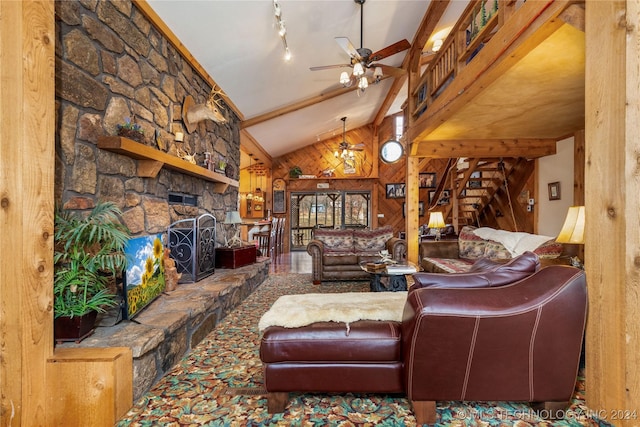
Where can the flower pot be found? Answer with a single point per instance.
(74, 328)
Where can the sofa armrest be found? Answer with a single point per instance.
(315, 248)
(439, 249)
(397, 248)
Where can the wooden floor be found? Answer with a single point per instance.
(291, 262)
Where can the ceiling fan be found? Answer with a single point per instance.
(345, 147)
(363, 59)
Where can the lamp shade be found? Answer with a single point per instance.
(436, 220)
(232, 217)
(573, 228)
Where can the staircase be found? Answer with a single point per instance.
(487, 192)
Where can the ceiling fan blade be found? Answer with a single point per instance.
(388, 70)
(390, 50)
(328, 67)
(346, 45)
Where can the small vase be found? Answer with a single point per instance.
(74, 328)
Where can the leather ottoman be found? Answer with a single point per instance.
(364, 356)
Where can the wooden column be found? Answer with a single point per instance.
(612, 201)
(27, 125)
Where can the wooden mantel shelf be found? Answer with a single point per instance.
(150, 161)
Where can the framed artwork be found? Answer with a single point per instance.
(396, 191)
(444, 199)
(474, 180)
(427, 180)
(420, 209)
(554, 191)
(279, 191)
(144, 278)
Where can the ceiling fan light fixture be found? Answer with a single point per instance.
(363, 83)
(377, 74)
(345, 80)
(358, 69)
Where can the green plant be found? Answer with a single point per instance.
(88, 250)
(295, 172)
(130, 125)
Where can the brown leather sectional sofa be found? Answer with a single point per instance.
(515, 342)
(336, 254)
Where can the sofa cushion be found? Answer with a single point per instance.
(496, 250)
(335, 240)
(548, 250)
(371, 240)
(339, 258)
(470, 246)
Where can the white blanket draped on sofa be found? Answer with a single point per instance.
(515, 242)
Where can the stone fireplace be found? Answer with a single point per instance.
(113, 65)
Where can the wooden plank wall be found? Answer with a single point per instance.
(612, 203)
(27, 125)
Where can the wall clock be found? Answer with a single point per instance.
(391, 151)
(279, 196)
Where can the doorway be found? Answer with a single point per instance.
(331, 209)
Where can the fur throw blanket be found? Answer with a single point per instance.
(294, 311)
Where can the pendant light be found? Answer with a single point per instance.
(250, 194)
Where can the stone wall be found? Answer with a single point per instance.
(112, 64)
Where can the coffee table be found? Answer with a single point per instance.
(392, 278)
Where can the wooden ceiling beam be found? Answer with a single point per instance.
(528, 148)
(299, 105)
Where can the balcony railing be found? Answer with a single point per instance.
(478, 23)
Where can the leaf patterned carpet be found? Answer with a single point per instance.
(220, 384)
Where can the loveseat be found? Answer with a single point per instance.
(336, 254)
(456, 256)
(516, 342)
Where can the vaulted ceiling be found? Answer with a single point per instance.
(285, 105)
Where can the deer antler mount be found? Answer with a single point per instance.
(193, 113)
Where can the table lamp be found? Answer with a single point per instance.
(436, 221)
(233, 218)
(572, 231)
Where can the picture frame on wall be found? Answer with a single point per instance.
(554, 190)
(396, 190)
(444, 199)
(420, 209)
(427, 179)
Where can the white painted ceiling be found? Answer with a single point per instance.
(238, 44)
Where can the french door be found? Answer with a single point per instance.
(331, 209)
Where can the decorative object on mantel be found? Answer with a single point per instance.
(295, 172)
(220, 164)
(229, 171)
(193, 113)
(185, 155)
(130, 129)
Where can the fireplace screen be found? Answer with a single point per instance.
(192, 243)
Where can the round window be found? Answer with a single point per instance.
(391, 151)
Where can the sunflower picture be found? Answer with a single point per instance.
(145, 273)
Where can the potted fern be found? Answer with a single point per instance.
(88, 252)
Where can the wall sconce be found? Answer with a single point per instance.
(437, 45)
(179, 136)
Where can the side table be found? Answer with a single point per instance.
(392, 278)
(235, 257)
